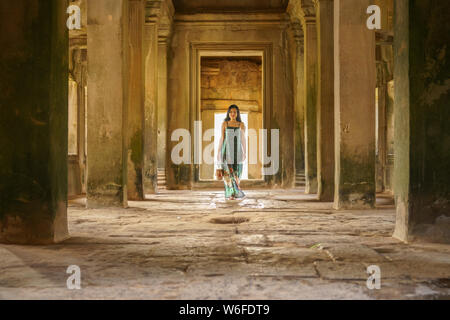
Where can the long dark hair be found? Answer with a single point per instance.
(238, 118)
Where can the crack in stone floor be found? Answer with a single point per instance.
(278, 244)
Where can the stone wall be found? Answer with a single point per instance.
(238, 79)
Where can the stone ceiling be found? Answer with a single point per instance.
(214, 6)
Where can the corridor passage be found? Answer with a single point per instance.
(277, 244)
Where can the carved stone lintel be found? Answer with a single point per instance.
(308, 8)
(384, 38)
(153, 10)
(298, 34)
(165, 27)
(160, 12)
(303, 11)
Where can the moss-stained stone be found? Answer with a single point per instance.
(357, 183)
(150, 52)
(355, 81)
(179, 177)
(136, 148)
(105, 194)
(107, 104)
(422, 133)
(134, 87)
(325, 101)
(137, 160)
(299, 144)
(33, 121)
(311, 107)
(299, 105)
(150, 176)
(277, 178)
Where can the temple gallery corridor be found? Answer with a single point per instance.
(194, 245)
(112, 178)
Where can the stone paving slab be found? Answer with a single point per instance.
(341, 270)
(170, 247)
(352, 252)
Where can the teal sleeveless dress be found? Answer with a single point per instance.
(232, 162)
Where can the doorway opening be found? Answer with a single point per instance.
(228, 80)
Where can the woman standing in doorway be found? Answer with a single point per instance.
(232, 153)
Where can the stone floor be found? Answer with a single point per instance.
(194, 245)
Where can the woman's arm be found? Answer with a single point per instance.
(243, 141)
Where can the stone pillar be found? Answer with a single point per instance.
(179, 176)
(162, 102)
(385, 68)
(80, 71)
(299, 102)
(283, 120)
(389, 182)
(381, 137)
(135, 129)
(107, 110)
(355, 80)
(33, 121)
(310, 31)
(325, 100)
(422, 132)
(151, 105)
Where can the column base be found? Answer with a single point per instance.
(113, 197)
(354, 201)
(16, 230)
(311, 186)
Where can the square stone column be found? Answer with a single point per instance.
(422, 113)
(325, 100)
(33, 121)
(162, 103)
(135, 129)
(355, 81)
(382, 137)
(151, 107)
(299, 101)
(107, 103)
(310, 54)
